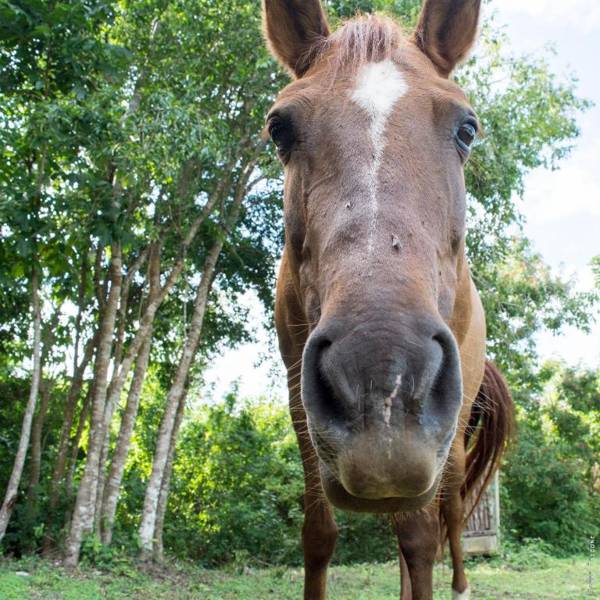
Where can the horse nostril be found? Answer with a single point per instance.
(322, 344)
(319, 349)
(447, 382)
(325, 391)
(325, 373)
(315, 383)
(320, 368)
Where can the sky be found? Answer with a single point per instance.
(561, 208)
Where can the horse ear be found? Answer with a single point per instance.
(446, 31)
(293, 29)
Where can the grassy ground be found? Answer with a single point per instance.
(551, 578)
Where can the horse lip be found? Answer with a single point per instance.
(327, 447)
(339, 496)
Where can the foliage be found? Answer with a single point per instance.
(97, 554)
(238, 483)
(237, 491)
(113, 126)
(547, 498)
(114, 129)
(522, 296)
(550, 481)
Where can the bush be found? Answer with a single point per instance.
(545, 494)
(237, 485)
(237, 491)
(530, 553)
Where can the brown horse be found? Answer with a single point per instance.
(380, 325)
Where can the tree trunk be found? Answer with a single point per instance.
(172, 402)
(35, 460)
(105, 394)
(83, 513)
(163, 500)
(120, 373)
(74, 443)
(156, 297)
(115, 476)
(108, 490)
(63, 483)
(58, 472)
(177, 390)
(101, 477)
(12, 489)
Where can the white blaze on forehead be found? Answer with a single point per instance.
(378, 87)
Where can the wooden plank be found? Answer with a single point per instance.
(481, 544)
(480, 535)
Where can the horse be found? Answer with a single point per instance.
(380, 326)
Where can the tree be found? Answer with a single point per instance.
(37, 71)
(15, 477)
(551, 478)
(132, 162)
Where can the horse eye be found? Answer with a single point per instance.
(282, 134)
(465, 136)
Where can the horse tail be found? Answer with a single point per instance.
(491, 426)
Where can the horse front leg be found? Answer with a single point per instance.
(405, 585)
(418, 539)
(319, 535)
(319, 532)
(453, 511)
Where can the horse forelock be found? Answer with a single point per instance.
(362, 39)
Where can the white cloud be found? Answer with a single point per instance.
(581, 14)
(572, 346)
(574, 189)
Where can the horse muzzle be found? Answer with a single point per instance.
(382, 401)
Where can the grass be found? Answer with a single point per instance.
(549, 578)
